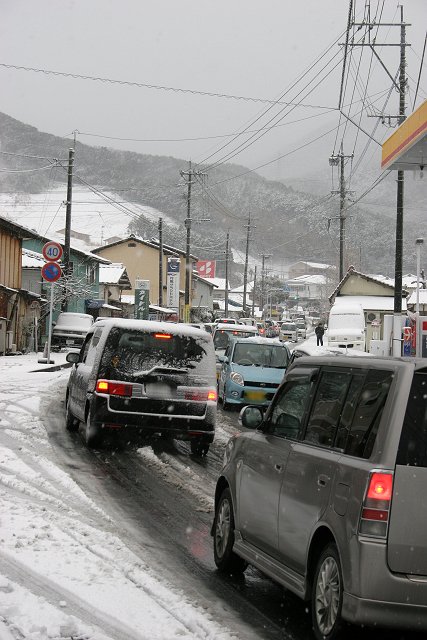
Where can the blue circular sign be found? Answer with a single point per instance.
(51, 271)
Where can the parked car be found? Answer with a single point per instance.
(222, 335)
(301, 328)
(252, 369)
(70, 330)
(148, 376)
(310, 349)
(228, 321)
(288, 332)
(326, 491)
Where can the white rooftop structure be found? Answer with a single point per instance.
(371, 303)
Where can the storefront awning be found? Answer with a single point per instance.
(406, 148)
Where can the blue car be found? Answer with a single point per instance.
(251, 371)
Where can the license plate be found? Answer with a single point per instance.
(69, 342)
(255, 395)
(158, 390)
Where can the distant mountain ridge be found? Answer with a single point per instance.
(290, 225)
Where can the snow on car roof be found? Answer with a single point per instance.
(179, 328)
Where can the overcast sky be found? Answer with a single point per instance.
(252, 48)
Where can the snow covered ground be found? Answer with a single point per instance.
(64, 570)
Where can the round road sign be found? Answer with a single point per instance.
(52, 251)
(51, 271)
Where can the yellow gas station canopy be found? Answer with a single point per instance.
(406, 148)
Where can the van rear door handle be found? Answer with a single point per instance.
(323, 480)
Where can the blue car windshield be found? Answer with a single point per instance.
(261, 355)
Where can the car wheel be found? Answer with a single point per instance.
(225, 558)
(92, 433)
(326, 597)
(71, 423)
(199, 448)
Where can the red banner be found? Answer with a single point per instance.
(206, 268)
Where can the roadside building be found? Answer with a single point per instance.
(18, 305)
(141, 259)
(376, 296)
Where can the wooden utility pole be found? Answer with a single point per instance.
(160, 262)
(67, 238)
(190, 174)
(245, 274)
(264, 257)
(253, 295)
(226, 273)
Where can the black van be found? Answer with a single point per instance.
(150, 376)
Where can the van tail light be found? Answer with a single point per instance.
(163, 336)
(375, 512)
(114, 388)
(201, 396)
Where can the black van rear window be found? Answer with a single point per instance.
(131, 354)
(413, 440)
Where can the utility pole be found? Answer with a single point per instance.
(253, 295)
(245, 274)
(397, 322)
(401, 87)
(339, 159)
(190, 174)
(226, 273)
(264, 257)
(160, 262)
(67, 238)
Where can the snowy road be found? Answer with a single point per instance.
(116, 544)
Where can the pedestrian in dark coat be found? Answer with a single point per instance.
(319, 331)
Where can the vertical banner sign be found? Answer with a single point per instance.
(172, 281)
(206, 268)
(142, 299)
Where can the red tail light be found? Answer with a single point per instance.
(114, 388)
(376, 506)
(163, 336)
(200, 396)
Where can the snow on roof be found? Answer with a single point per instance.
(318, 265)
(218, 282)
(32, 259)
(315, 278)
(422, 297)
(249, 287)
(127, 299)
(370, 303)
(111, 273)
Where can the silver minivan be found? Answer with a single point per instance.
(326, 492)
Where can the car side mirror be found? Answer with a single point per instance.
(251, 417)
(73, 357)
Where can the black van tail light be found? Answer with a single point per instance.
(163, 336)
(114, 388)
(201, 396)
(376, 505)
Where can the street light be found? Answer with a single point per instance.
(418, 243)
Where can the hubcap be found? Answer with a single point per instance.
(222, 531)
(328, 588)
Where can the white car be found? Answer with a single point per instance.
(288, 332)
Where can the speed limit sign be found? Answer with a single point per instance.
(52, 251)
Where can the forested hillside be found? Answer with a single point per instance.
(290, 225)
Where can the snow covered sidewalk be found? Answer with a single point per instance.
(64, 570)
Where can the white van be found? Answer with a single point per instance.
(346, 326)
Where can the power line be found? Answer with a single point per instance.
(144, 85)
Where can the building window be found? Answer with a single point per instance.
(90, 273)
